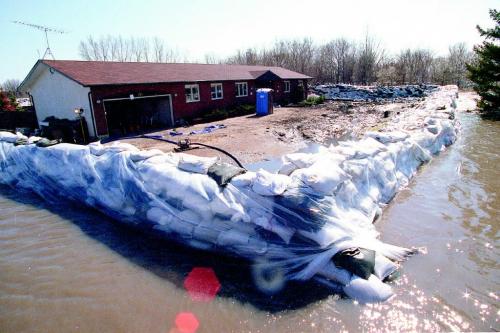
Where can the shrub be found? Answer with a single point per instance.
(216, 114)
(219, 114)
(7, 103)
(312, 100)
(484, 72)
(245, 109)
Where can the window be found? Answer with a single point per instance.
(192, 93)
(287, 86)
(241, 89)
(216, 90)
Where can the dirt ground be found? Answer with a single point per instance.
(253, 139)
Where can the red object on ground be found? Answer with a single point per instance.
(202, 284)
(186, 322)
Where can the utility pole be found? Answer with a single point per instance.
(46, 30)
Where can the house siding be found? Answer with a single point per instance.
(181, 108)
(56, 95)
(282, 97)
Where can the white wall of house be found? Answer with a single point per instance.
(56, 95)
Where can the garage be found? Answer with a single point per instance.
(131, 115)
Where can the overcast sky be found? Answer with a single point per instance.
(196, 28)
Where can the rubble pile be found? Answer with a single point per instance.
(371, 93)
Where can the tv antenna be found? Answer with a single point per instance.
(46, 30)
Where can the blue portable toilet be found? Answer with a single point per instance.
(264, 101)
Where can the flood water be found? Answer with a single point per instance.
(64, 268)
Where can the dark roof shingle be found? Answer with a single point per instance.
(91, 73)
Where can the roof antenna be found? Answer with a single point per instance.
(48, 51)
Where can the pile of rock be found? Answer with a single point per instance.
(371, 93)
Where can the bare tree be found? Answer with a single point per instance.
(211, 58)
(387, 73)
(116, 48)
(441, 71)
(158, 50)
(414, 66)
(325, 66)
(458, 57)
(10, 86)
(369, 57)
(344, 53)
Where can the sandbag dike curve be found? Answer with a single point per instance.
(291, 223)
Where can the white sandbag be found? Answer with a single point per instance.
(368, 291)
(347, 193)
(156, 177)
(430, 121)
(292, 162)
(144, 154)
(10, 137)
(269, 184)
(323, 176)
(196, 164)
(368, 147)
(223, 207)
(189, 216)
(336, 274)
(171, 159)
(383, 266)
(206, 233)
(232, 238)
(270, 224)
(158, 215)
(34, 139)
(387, 137)
(287, 168)
(117, 147)
(244, 180)
(199, 205)
(434, 129)
(301, 160)
(345, 149)
(182, 227)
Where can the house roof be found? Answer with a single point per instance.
(92, 73)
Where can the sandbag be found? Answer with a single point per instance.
(268, 184)
(223, 173)
(323, 176)
(358, 261)
(196, 164)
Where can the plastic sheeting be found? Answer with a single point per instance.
(290, 224)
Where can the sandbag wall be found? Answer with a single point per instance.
(295, 221)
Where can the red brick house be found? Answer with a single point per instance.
(141, 95)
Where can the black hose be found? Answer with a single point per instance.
(160, 138)
(221, 150)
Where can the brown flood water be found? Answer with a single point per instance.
(65, 268)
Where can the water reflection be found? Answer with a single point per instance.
(169, 260)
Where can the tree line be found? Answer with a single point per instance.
(337, 61)
(343, 61)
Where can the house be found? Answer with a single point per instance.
(124, 97)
